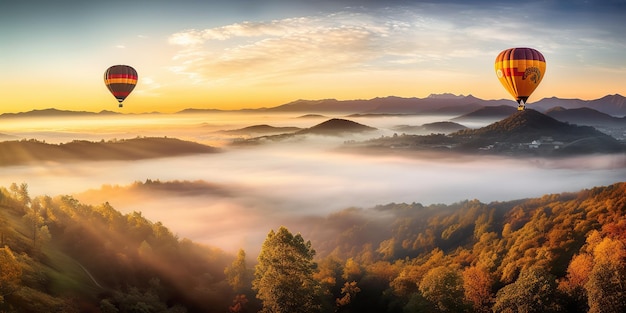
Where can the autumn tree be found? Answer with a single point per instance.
(352, 270)
(606, 286)
(574, 283)
(532, 292)
(477, 284)
(328, 275)
(443, 286)
(348, 292)
(284, 275)
(35, 221)
(10, 273)
(20, 193)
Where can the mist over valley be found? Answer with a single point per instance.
(230, 199)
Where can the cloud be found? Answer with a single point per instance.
(447, 38)
(342, 41)
(149, 87)
(274, 48)
(314, 44)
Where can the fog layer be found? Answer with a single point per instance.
(265, 186)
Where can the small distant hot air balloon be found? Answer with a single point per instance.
(121, 80)
(520, 70)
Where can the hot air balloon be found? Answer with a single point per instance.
(121, 80)
(520, 70)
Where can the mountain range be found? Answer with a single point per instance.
(444, 104)
(447, 104)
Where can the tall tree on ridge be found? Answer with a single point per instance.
(284, 275)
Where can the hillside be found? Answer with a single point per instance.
(428, 128)
(336, 127)
(488, 112)
(59, 255)
(527, 125)
(586, 116)
(525, 132)
(260, 130)
(149, 189)
(493, 256)
(530, 126)
(29, 151)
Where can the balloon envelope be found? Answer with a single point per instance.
(520, 70)
(121, 80)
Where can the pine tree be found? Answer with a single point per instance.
(237, 273)
(284, 275)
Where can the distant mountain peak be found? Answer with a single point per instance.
(337, 126)
(261, 129)
(527, 125)
(522, 127)
(528, 119)
(445, 96)
(556, 109)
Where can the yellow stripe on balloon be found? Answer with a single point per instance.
(120, 81)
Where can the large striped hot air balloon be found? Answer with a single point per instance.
(520, 70)
(121, 80)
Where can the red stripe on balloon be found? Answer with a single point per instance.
(512, 72)
(122, 76)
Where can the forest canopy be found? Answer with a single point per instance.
(558, 253)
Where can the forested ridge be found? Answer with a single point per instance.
(558, 253)
(17, 152)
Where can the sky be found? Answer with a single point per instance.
(250, 54)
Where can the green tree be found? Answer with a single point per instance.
(284, 275)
